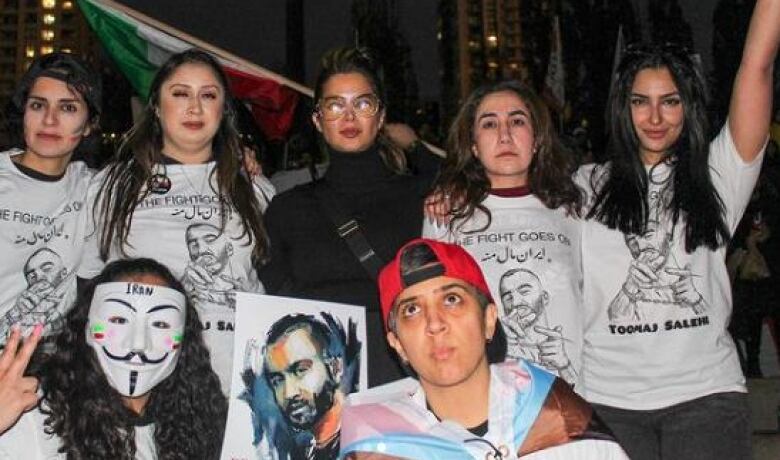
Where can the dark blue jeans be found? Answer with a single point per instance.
(713, 427)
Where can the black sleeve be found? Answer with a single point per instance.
(276, 273)
(422, 161)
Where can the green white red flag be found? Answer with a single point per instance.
(139, 49)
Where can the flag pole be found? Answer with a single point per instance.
(616, 58)
(241, 63)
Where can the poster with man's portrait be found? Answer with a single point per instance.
(294, 363)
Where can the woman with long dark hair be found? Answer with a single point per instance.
(658, 360)
(53, 114)
(372, 188)
(130, 377)
(516, 214)
(175, 192)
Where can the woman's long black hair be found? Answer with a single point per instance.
(188, 408)
(128, 175)
(621, 201)
(463, 178)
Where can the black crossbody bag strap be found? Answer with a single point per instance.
(348, 230)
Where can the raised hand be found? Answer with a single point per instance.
(17, 392)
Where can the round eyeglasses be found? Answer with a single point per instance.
(333, 108)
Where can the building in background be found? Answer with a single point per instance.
(376, 25)
(488, 40)
(30, 28)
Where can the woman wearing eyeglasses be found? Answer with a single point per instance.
(370, 190)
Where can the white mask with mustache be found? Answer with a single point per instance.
(136, 330)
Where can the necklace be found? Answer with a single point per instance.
(206, 174)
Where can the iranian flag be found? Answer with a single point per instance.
(140, 45)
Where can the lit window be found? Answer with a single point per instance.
(47, 50)
(67, 5)
(49, 19)
(48, 3)
(29, 51)
(492, 38)
(47, 35)
(66, 50)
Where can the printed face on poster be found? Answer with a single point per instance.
(294, 362)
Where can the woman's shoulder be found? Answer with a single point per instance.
(80, 171)
(291, 201)
(300, 192)
(100, 174)
(588, 170)
(5, 158)
(590, 177)
(410, 184)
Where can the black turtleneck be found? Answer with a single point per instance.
(363, 171)
(309, 259)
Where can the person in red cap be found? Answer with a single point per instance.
(466, 402)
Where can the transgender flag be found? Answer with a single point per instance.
(139, 49)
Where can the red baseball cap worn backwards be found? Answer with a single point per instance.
(451, 260)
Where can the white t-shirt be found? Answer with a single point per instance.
(28, 440)
(531, 255)
(180, 228)
(654, 343)
(40, 239)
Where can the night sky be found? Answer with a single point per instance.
(255, 29)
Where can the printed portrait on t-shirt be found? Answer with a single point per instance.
(530, 257)
(524, 303)
(655, 281)
(208, 277)
(292, 372)
(44, 272)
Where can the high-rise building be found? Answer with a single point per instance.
(30, 28)
(482, 41)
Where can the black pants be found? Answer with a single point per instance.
(753, 301)
(713, 427)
